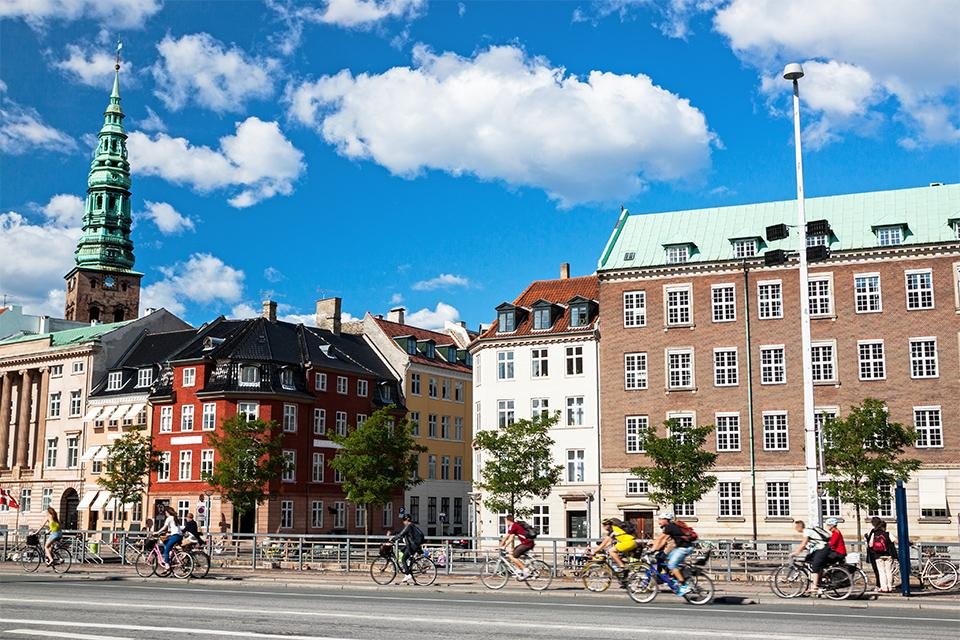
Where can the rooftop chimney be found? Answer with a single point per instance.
(565, 271)
(396, 315)
(328, 314)
(270, 310)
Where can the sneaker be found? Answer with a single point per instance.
(523, 575)
(407, 579)
(683, 590)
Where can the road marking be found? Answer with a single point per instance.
(64, 634)
(178, 631)
(526, 603)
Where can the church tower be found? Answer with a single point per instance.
(103, 287)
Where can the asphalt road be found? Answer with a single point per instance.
(39, 606)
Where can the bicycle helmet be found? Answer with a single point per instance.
(666, 516)
(831, 522)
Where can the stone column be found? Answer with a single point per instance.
(6, 397)
(40, 432)
(23, 419)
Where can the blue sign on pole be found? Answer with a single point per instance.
(903, 538)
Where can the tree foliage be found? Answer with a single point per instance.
(518, 464)
(130, 459)
(864, 455)
(249, 455)
(680, 463)
(378, 459)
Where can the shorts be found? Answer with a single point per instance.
(626, 546)
(522, 549)
(677, 556)
(53, 537)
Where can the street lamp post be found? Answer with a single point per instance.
(794, 72)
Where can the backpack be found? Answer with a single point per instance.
(528, 532)
(879, 543)
(416, 537)
(823, 533)
(689, 535)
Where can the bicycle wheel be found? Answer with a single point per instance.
(145, 564)
(836, 582)
(383, 570)
(159, 569)
(541, 575)
(642, 586)
(597, 577)
(494, 574)
(859, 582)
(701, 589)
(895, 584)
(131, 551)
(789, 580)
(62, 560)
(424, 571)
(182, 565)
(201, 564)
(30, 558)
(941, 574)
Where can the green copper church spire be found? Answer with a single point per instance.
(105, 242)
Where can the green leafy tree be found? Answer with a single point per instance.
(680, 463)
(865, 455)
(378, 459)
(249, 456)
(130, 459)
(518, 464)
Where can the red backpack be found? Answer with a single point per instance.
(688, 533)
(879, 543)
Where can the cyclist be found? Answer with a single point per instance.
(411, 538)
(190, 526)
(171, 526)
(53, 526)
(518, 531)
(618, 541)
(683, 547)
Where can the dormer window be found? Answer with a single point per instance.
(890, 236)
(956, 229)
(678, 254)
(579, 314)
(451, 354)
(386, 393)
(629, 255)
(412, 346)
(542, 318)
(144, 377)
(507, 321)
(429, 349)
(249, 375)
(745, 248)
(817, 240)
(286, 378)
(114, 380)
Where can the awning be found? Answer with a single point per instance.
(933, 493)
(119, 412)
(134, 410)
(113, 504)
(86, 500)
(92, 414)
(102, 454)
(101, 500)
(88, 454)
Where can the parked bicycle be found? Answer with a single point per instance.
(939, 573)
(599, 571)
(643, 582)
(150, 561)
(497, 571)
(387, 565)
(792, 579)
(32, 554)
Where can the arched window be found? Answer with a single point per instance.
(118, 314)
(94, 314)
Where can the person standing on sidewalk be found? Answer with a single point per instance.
(871, 558)
(883, 550)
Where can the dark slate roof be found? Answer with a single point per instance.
(148, 351)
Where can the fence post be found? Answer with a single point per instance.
(348, 554)
(253, 554)
(729, 561)
(555, 559)
(300, 555)
(449, 553)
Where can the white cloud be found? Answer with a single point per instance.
(285, 313)
(93, 67)
(168, 220)
(672, 16)
(203, 278)
(152, 122)
(258, 160)
(908, 50)
(443, 280)
(363, 13)
(272, 274)
(427, 319)
(119, 14)
(199, 68)
(396, 298)
(22, 130)
(36, 256)
(503, 115)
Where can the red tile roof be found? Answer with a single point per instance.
(558, 292)
(396, 330)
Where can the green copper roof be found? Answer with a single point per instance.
(69, 337)
(926, 212)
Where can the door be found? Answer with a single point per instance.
(643, 521)
(243, 523)
(577, 524)
(68, 508)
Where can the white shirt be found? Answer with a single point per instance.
(171, 526)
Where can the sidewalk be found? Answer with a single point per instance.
(744, 593)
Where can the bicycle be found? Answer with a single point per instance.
(939, 573)
(643, 583)
(384, 569)
(33, 552)
(792, 579)
(201, 559)
(598, 572)
(496, 572)
(150, 562)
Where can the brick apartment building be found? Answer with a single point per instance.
(699, 326)
(311, 381)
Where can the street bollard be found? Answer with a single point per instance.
(300, 555)
(348, 555)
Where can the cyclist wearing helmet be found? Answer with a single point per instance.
(834, 552)
(616, 541)
(683, 548)
(411, 539)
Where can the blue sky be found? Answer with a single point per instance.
(441, 155)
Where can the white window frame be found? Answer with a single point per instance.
(729, 499)
(506, 413)
(244, 409)
(166, 419)
(163, 471)
(73, 451)
(185, 465)
(319, 421)
(576, 466)
(725, 374)
(540, 362)
(320, 381)
(76, 404)
(286, 514)
(636, 487)
(818, 364)
(254, 372)
(339, 515)
(55, 402)
(316, 514)
(681, 312)
(724, 308)
(815, 297)
(872, 359)
(576, 411)
(634, 429)
(208, 420)
(289, 418)
(685, 351)
(187, 414)
(686, 419)
(342, 385)
(506, 369)
(286, 379)
(114, 380)
(773, 371)
(780, 498)
(773, 431)
(677, 254)
(415, 384)
(919, 291)
(926, 429)
(540, 407)
(635, 370)
(340, 423)
(290, 466)
(634, 309)
(869, 299)
(77, 367)
(745, 248)
(924, 361)
(206, 463)
(890, 236)
(189, 376)
(318, 470)
(770, 307)
(574, 361)
(728, 431)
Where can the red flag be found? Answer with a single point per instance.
(8, 500)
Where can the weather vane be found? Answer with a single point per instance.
(119, 46)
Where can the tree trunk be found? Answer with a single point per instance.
(859, 532)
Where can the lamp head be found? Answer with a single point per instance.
(793, 71)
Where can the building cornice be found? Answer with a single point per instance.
(532, 339)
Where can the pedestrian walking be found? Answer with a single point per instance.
(881, 546)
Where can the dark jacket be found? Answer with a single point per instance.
(406, 535)
(191, 527)
(871, 536)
